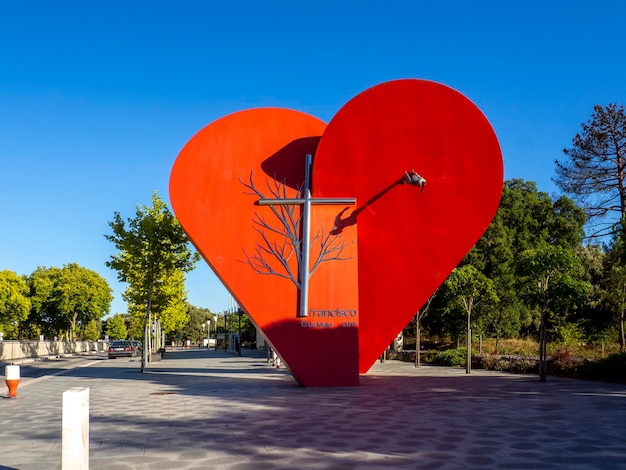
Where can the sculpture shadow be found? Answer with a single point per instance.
(287, 165)
(342, 222)
(399, 417)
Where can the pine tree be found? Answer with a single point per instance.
(593, 170)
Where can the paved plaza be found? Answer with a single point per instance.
(200, 409)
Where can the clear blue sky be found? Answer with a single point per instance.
(98, 98)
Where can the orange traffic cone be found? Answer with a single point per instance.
(12, 378)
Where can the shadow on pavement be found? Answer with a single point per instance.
(399, 416)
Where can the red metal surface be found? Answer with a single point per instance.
(215, 208)
(409, 240)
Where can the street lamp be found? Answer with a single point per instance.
(208, 334)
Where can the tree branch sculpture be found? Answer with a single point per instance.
(271, 257)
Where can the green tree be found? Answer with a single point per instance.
(173, 295)
(91, 331)
(152, 248)
(593, 259)
(14, 302)
(116, 327)
(196, 328)
(593, 170)
(168, 304)
(81, 295)
(63, 299)
(247, 329)
(43, 316)
(134, 325)
(419, 317)
(468, 288)
(502, 321)
(615, 296)
(595, 317)
(526, 218)
(552, 281)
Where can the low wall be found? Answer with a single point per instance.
(13, 350)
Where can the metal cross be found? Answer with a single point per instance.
(307, 201)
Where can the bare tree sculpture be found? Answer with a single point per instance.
(288, 227)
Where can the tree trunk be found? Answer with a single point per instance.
(418, 359)
(542, 346)
(621, 174)
(621, 332)
(468, 361)
(73, 326)
(146, 333)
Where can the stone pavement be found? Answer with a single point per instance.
(201, 409)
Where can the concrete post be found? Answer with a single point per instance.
(75, 429)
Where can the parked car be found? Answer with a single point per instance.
(121, 348)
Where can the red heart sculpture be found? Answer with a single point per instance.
(409, 239)
(365, 286)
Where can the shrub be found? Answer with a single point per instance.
(563, 354)
(564, 361)
(450, 357)
(569, 334)
(516, 364)
(563, 364)
(610, 369)
(426, 356)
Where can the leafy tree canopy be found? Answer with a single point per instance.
(552, 277)
(64, 298)
(116, 327)
(14, 301)
(526, 219)
(469, 288)
(196, 328)
(150, 246)
(92, 330)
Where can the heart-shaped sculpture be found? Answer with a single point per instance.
(328, 298)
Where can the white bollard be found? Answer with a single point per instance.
(12, 379)
(75, 429)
